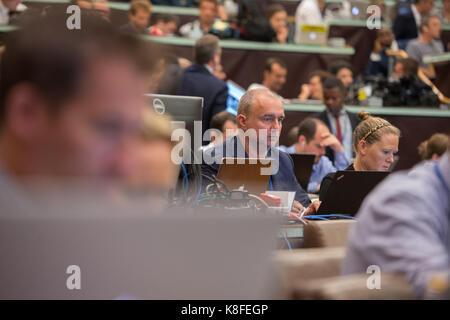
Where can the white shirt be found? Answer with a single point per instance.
(308, 12)
(346, 131)
(4, 14)
(417, 17)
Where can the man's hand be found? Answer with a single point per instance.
(297, 207)
(313, 208)
(282, 35)
(305, 93)
(329, 140)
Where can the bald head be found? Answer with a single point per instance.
(251, 97)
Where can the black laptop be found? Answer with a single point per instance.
(348, 190)
(303, 163)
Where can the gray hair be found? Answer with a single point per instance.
(247, 99)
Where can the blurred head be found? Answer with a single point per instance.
(424, 6)
(343, 71)
(405, 68)
(385, 36)
(315, 81)
(321, 5)
(70, 100)
(375, 142)
(225, 123)
(207, 11)
(260, 109)
(446, 6)
(207, 50)
(139, 14)
(431, 27)
(168, 24)
(434, 147)
(277, 16)
(310, 136)
(333, 95)
(100, 7)
(11, 4)
(275, 73)
(150, 166)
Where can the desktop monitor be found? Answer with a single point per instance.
(235, 93)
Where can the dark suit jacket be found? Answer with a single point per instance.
(199, 82)
(283, 180)
(354, 121)
(404, 27)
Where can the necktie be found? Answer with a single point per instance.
(338, 129)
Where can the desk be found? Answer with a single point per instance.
(416, 125)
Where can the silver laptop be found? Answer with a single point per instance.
(65, 249)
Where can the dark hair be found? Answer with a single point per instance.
(308, 128)
(166, 18)
(273, 60)
(53, 59)
(332, 83)
(436, 144)
(410, 67)
(210, 1)
(322, 74)
(273, 8)
(337, 65)
(205, 48)
(219, 119)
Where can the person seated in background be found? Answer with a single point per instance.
(427, 43)
(379, 61)
(76, 121)
(375, 142)
(166, 25)
(340, 122)
(342, 70)
(259, 112)
(409, 18)
(403, 227)
(7, 7)
(224, 125)
(308, 12)
(314, 137)
(313, 89)
(139, 17)
(277, 16)
(199, 80)
(434, 147)
(274, 76)
(207, 15)
(405, 68)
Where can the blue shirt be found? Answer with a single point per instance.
(321, 168)
(403, 226)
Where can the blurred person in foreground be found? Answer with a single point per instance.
(70, 100)
(434, 147)
(403, 227)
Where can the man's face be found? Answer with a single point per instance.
(140, 19)
(207, 12)
(399, 71)
(316, 88)
(91, 133)
(434, 28)
(276, 78)
(265, 114)
(333, 99)
(278, 21)
(229, 129)
(314, 145)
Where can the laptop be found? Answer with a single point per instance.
(313, 34)
(348, 190)
(303, 163)
(358, 9)
(235, 93)
(73, 251)
(246, 172)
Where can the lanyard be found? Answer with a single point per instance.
(440, 177)
(270, 183)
